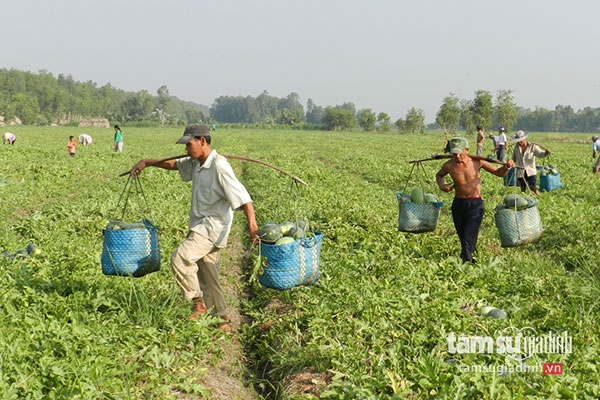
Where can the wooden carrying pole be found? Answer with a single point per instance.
(443, 156)
(228, 156)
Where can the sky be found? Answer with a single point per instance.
(386, 55)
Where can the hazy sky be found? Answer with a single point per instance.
(387, 55)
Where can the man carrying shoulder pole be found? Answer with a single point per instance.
(216, 193)
(467, 206)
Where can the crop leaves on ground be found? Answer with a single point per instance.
(376, 322)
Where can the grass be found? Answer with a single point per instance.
(373, 326)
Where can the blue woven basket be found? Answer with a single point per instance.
(510, 179)
(550, 182)
(131, 252)
(293, 264)
(417, 217)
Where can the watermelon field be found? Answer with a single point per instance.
(383, 321)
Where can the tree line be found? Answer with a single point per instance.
(42, 99)
(483, 110)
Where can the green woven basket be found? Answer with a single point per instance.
(518, 227)
(417, 217)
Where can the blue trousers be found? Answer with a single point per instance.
(500, 152)
(467, 215)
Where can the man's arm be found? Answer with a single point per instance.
(252, 226)
(164, 164)
(439, 178)
(500, 171)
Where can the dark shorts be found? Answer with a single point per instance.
(531, 181)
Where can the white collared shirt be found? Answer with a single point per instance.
(502, 139)
(526, 158)
(216, 192)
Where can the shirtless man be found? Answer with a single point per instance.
(467, 207)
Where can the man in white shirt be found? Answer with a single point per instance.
(501, 144)
(216, 193)
(524, 156)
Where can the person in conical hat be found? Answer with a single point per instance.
(524, 155)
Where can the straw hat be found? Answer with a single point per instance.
(519, 136)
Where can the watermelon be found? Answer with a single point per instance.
(298, 233)
(430, 198)
(30, 248)
(302, 224)
(417, 195)
(115, 225)
(284, 240)
(515, 201)
(496, 313)
(485, 310)
(286, 226)
(270, 232)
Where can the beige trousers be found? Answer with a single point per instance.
(195, 265)
(479, 150)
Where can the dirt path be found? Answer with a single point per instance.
(228, 375)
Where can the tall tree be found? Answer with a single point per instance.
(367, 119)
(383, 120)
(162, 102)
(266, 106)
(294, 110)
(25, 107)
(415, 121)
(449, 113)
(506, 109)
(467, 119)
(483, 109)
(337, 119)
(314, 113)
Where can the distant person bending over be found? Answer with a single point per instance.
(501, 144)
(595, 149)
(85, 139)
(216, 193)
(480, 139)
(118, 142)
(9, 137)
(71, 145)
(524, 156)
(495, 141)
(467, 206)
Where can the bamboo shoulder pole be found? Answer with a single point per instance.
(232, 157)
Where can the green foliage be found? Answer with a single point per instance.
(338, 119)
(415, 121)
(68, 331)
(506, 109)
(376, 322)
(449, 113)
(373, 326)
(383, 119)
(367, 119)
(42, 99)
(482, 109)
